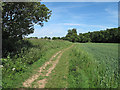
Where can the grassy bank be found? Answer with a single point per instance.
(20, 67)
(87, 65)
(93, 65)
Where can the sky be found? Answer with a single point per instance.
(84, 16)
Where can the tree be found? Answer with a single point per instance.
(72, 35)
(19, 19)
(63, 38)
(41, 37)
(106, 36)
(54, 38)
(49, 38)
(45, 37)
(58, 38)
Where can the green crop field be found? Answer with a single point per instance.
(87, 65)
(94, 65)
(59, 45)
(84, 65)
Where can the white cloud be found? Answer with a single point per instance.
(86, 25)
(49, 30)
(60, 30)
(71, 24)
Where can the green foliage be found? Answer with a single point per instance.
(56, 38)
(32, 38)
(47, 38)
(81, 69)
(72, 35)
(107, 36)
(93, 66)
(87, 65)
(15, 68)
(60, 73)
(19, 19)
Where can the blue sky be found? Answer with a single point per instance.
(84, 16)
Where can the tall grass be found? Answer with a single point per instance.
(86, 65)
(18, 68)
(58, 77)
(93, 65)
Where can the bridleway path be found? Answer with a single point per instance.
(45, 71)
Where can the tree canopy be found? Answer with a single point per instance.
(72, 35)
(18, 20)
(104, 36)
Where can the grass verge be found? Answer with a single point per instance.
(19, 68)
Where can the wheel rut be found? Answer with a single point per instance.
(44, 71)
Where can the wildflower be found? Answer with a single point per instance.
(13, 69)
(1, 66)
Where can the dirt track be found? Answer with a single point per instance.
(43, 71)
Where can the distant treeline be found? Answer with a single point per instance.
(47, 38)
(104, 36)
